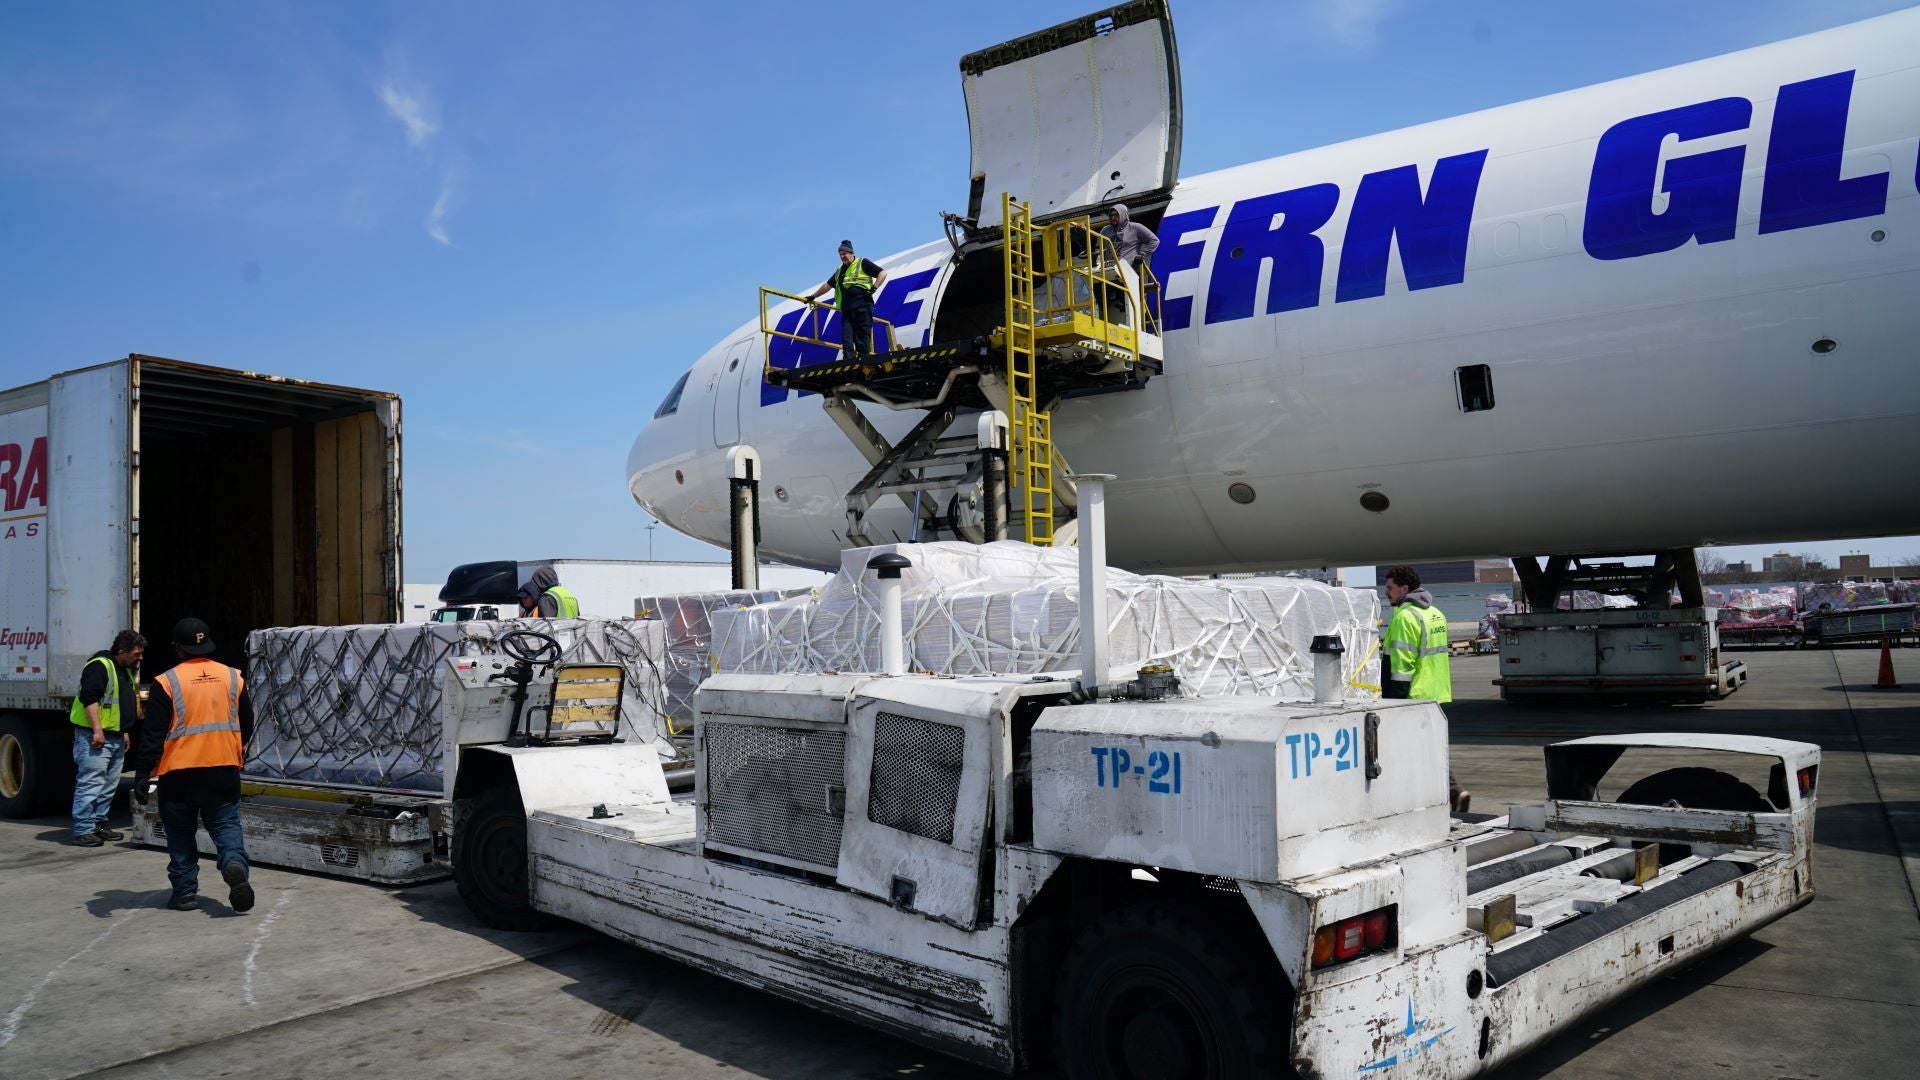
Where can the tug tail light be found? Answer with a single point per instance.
(1360, 935)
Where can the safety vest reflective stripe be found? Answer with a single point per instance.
(850, 276)
(109, 701)
(855, 276)
(1402, 646)
(203, 734)
(566, 604)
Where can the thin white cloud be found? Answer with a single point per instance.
(414, 110)
(1356, 23)
(437, 217)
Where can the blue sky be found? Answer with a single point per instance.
(528, 219)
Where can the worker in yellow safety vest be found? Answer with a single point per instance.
(193, 742)
(854, 283)
(1414, 656)
(543, 597)
(101, 715)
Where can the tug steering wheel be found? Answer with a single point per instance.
(530, 646)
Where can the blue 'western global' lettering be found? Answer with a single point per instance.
(1638, 203)
(1801, 188)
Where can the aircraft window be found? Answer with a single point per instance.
(1476, 387)
(672, 404)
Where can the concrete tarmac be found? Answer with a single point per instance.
(327, 979)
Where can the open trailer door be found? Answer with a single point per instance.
(1080, 114)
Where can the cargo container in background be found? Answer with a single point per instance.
(139, 491)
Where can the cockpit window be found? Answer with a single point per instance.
(672, 404)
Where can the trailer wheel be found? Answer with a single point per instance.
(1170, 993)
(34, 776)
(1696, 789)
(490, 861)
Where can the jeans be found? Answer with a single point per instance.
(183, 857)
(96, 776)
(856, 324)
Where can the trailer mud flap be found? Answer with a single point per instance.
(1504, 967)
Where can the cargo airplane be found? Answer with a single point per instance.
(1673, 310)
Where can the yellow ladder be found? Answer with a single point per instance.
(1032, 426)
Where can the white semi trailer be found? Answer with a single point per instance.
(104, 526)
(1003, 870)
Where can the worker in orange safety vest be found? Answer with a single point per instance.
(193, 742)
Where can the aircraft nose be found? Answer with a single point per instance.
(646, 465)
(660, 452)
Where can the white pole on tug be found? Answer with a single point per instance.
(886, 566)
(743, 513)
(1091, 492)
(1328, 680)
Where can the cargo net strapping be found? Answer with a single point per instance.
(360, 705)
(688, 621)
(1009, 608)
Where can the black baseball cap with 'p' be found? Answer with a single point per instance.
(193, 637)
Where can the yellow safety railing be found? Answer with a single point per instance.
(815, 321)
(1084, 286)
(1031, 426)
(1149, 308)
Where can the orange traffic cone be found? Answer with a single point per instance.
(1886, 666)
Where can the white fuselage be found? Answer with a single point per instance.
(1696, 291)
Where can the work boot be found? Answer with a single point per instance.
(189, 902)
(1462, 801)
(239, 893)
(111, 836)
(91, 839)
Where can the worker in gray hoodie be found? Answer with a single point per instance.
(1134, 242)
(544, 597)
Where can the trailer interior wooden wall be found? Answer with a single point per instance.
(262, 502)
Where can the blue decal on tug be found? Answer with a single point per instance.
(1414, 1041)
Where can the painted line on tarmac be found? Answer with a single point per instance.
(1873, 777)
(19, 1013)
(259, 939)
(571, 941)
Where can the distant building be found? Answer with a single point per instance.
(1780, 562)
(1460, 572)
(1739, 568)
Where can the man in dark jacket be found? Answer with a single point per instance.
(543, 597)
(193, 741)
(103, 714)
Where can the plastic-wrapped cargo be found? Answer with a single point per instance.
(360, 705)
(1755, 609)
(1588, 600)
(1010, 608)
(1841, 595)
(687, 618)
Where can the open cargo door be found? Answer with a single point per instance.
(91, 590)
(1080, 114)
